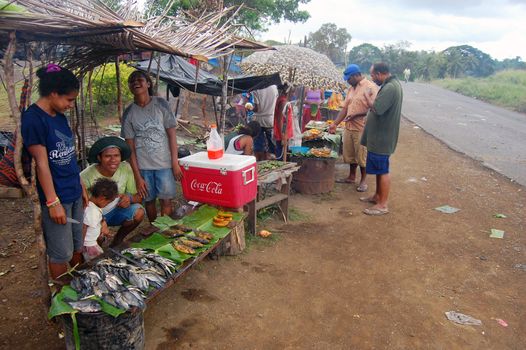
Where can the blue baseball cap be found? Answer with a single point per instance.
(351, 70)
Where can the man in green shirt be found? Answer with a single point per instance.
(107, 157)
(381, 135)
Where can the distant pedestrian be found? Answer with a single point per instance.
(381, 135)
(407, 74)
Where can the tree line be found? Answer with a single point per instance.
(453, 62)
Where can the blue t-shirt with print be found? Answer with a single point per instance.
(40, 128)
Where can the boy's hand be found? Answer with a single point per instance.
(332, 129)
(124, 201)
(141, 187)
(178, 173)
(104, 229)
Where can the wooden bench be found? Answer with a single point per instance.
(282, 177)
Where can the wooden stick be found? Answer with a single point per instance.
(119, 90)
(90, 101)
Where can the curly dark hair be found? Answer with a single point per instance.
(59, 80)
(104, 187)
(252, 129)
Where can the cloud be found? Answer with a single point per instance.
(494, 27)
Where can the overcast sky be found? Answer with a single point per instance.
(496, 27)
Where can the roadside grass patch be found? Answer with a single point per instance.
(506, 88)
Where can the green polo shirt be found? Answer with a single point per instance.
(383, 120)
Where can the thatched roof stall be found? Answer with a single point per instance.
(96, 32)
(82, 34)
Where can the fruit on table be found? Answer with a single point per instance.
(222, 219)
(264, 233)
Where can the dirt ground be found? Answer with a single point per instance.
(333, 278)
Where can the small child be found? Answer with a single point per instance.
(103, 192)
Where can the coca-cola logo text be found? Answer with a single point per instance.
(208, 187)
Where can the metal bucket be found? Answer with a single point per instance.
(316, 175)
(102, 331)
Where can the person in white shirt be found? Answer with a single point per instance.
(103, 192)
(264, 104)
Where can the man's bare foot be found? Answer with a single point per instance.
(371, 199)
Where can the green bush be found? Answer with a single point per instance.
(104, 85)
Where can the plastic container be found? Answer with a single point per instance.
(214, 145)
(230, 181)
(298, 149)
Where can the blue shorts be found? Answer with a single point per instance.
(159, 183)
(119, 215)
(263, 142)
(63, 240)
(377, 164)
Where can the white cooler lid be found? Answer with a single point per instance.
(229, 162)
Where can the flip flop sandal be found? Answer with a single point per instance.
(345, 181)
(367, 200)
(375, 211)
(362, 188)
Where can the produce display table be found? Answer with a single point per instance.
(106, 328)
(282, 177)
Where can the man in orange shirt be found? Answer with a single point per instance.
(354, 110)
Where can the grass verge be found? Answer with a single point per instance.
(506, 88)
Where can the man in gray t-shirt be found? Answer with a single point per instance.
(264, 104)
(147, 126)
(149, 129)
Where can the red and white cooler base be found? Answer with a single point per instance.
(230, 181)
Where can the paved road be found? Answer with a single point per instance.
(492, 135)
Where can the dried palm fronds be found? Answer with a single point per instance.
(96, 32)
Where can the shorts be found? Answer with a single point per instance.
(119, 215)
(263, 142)
(353, 151)
(377, 164)
(160, 184)
(63, 240)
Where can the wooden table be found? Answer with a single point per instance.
(283, 178)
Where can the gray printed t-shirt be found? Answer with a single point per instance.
(147, 126)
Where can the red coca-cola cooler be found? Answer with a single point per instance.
(230, 181)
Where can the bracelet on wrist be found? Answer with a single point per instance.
(53, 203)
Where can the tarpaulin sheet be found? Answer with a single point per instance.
(179, 73)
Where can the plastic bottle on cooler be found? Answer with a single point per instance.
(214, 145)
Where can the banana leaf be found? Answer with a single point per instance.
(59, 306)
(153, 242)
(8, 6)
(164, 222)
